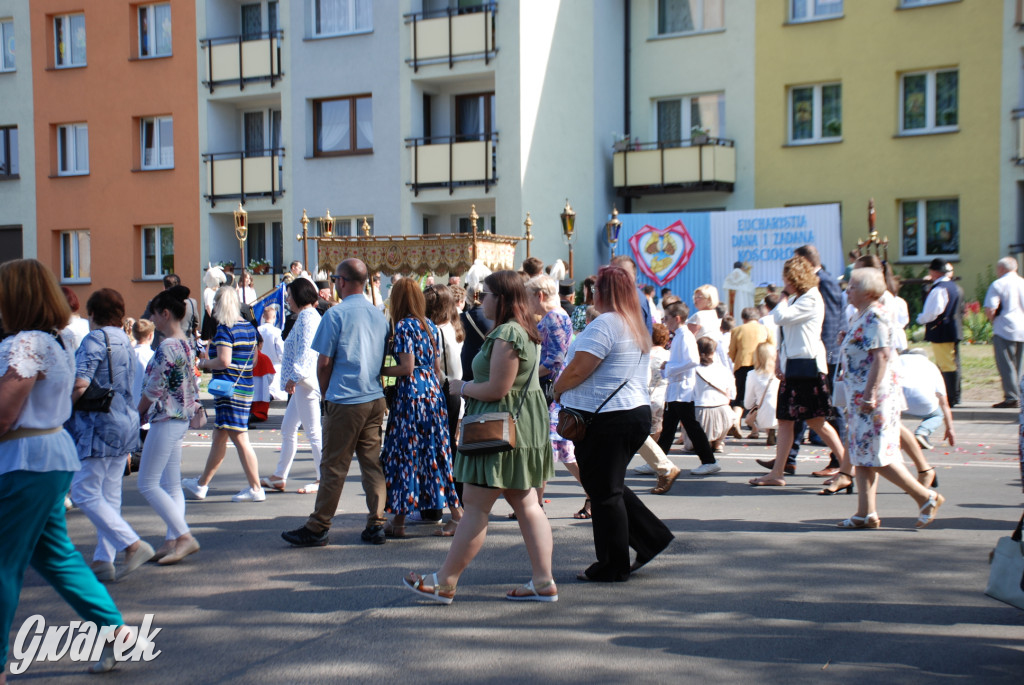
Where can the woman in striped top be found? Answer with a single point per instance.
(236, 354)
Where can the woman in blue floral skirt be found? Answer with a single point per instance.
(416, 456)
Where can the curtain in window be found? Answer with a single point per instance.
(708, 112)
(13, 151)
(670, 121)
(831, 111)
(7, 45)
(77, 39)
(946, 97)
(254, 134)
(256, 242)
(81, 148)
(914, 88)
(803, 113)
(364, 15)
(470, 118)
(943, 226)
(84, 254)
(364, 124)
(275, 128)
(342, 16)
(166, 142)
(714, 14)
(167, 250)
(675, 16)
(67, 263)
(162, 29)
(334, 126)
(252, 22)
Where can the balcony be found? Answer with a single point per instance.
(237, 60)
(452, 35)
(682, 166)
(1018, 116)
(244, 175)
(453, 162)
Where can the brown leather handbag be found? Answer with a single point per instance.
(491, 432)
(572, 424)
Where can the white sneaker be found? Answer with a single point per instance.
(192, 488)
(250, 495)
(705, 470)
(645, 470)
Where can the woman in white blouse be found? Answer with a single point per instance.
(298, 373)
(606, 373)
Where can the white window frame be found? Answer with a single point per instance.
(158, 253)
(314, 7)
(161, 162)
(812, 14)
(7, 34)
(922, 223)
(685, 106)
(73, 131)
(78, 274)
(818, 135)
(699, 20)
(911, 4)
(150, 11)
(930, 95)
(70, 63)
(349, 225)
(12, 165)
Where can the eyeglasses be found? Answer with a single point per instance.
(485, 292)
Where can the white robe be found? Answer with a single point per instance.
(739, 281)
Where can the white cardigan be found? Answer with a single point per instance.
(799, 320)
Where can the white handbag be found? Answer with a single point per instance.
(1006, 579)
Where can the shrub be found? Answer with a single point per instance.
(977, 327)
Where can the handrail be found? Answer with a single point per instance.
(275, 47)
(456, 138)
(451, 141)
(449, 12)
(662, 145)
(667, 144)
(242, 155)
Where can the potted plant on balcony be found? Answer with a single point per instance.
(228, 265)
(699, 135)
(259, 266)
(621, 143)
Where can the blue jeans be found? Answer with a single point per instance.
(929, 424)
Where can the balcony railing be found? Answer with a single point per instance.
(244, 175)
(452, 35)
(1018, 116)
(237, 60)
(675, 166)
(453, 161)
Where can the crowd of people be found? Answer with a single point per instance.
(387, 377)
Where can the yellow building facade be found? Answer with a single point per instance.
(896, 100)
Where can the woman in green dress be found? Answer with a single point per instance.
(503, 370)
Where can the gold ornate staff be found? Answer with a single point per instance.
(880, 245)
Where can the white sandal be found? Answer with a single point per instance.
(534, 596)
(869, 521)
(434, 595)
(310, 489)
(935, 501)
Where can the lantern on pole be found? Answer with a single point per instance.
(612, 229)
(568, 217)
(241, 232)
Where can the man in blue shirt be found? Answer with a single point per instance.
(350, 341)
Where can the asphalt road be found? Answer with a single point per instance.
(759, 586)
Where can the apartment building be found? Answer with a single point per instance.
(896, 101)
(1011, 110)
(688, 138)
(114, 113)
(17, 161)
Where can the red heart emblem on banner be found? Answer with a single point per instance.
(662, 253)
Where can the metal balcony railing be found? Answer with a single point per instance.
(237, 60)
(452, 35)
(454, 161)
(688, 165)
(242, 175)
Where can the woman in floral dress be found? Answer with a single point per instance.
(416, 456)
(873, 405)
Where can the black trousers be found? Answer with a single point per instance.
(620, 519)
(685, 413)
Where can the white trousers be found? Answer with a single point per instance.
(96, 490)
(304, 408)
(160, 474)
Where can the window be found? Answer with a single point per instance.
(69, 40)
(333, 132)
(74, 257)
(256, 241)
(676, 119)
(157, 251)
(815, 113)
(812, 10)
(350, 225)
(157, 143)
(155, 30)
(922, 3)
(484, 224)
(930, 101)
(474, 116)
(8, 151)
(931, 228)
(7, 45)
(687, 16)
(339, 17)
(72, 150)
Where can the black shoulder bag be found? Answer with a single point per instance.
(97, 398)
